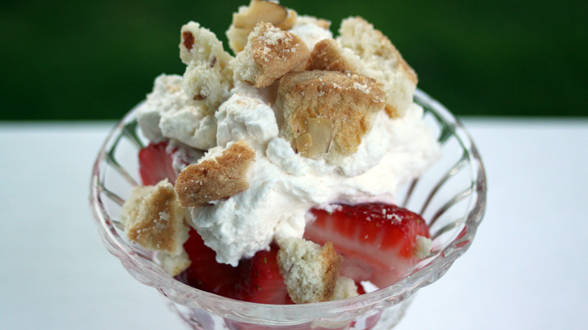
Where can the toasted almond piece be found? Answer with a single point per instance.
(215, 178)
(270, 53)
(326, 113)
(320, 134)
(310, 272)
(258, 11)
(290, 20)
(237, 38)
(381, 61)
(209, 75)
(327, 55)
(153, 218)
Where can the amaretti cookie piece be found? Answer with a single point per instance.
(217, 177)
(173, 264)
(381, 61)
(326, 113)
(310, 272)
(258, 11)
(209, 77)
(153, 218)
(344, 288)
(270, 53)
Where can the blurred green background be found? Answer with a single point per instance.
(72, 60)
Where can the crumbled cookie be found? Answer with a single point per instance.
(172, 264)
(209, 76)
(206, 87)
(326, 113)
(258, 11)
(270, 53)
(153, 218)
(381, 61)
(200, 45)
(344, 288)
(328, 55)
(423, 247)
(310, 272)
(215, 178)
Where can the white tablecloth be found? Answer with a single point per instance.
(525, 270)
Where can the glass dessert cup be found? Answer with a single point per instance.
(451, 196)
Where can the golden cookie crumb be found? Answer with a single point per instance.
(380, 61)
(270, 53)
(216, 178)
(310, 272)
(154, 219)
(326, 113)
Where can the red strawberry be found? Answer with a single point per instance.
(155, 164)
(261, 280)
(205, 273)
(257, 279)
(378, 241)
(360, 288)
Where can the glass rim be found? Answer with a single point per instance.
(392, 294)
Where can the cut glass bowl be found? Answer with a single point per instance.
(451, 196)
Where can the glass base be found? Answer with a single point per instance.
(379, 320)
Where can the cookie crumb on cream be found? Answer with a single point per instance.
(269, 54)
(209, 76)
(215, 178)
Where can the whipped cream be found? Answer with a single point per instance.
(283, 185)
(307, 29)
(243, 117)
(169, 113)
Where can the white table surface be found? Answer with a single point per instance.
(527, 268)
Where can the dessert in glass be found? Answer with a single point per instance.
(303, 183)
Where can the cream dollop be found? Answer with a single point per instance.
(169, 113)
(307, 29)
(242, 117)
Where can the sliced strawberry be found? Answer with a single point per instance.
(378, 241)
(261, 280)
(257, 279)
(205, 273)
(155, 164)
